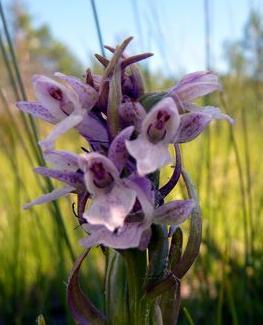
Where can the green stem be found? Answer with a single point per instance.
(116, 290)
(136, 263)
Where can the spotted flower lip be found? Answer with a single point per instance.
(66, 107)
(113, 197)
(159, 127)
(163, 126)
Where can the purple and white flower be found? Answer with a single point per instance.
(193, 86)
(66, 107)
(162, 126)
(136, 231)
(113, 197)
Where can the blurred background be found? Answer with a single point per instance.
(38, 246)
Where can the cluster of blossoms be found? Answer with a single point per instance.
(128, 134)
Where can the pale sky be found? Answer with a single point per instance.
(172, 29)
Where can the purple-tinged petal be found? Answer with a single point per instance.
(198, 76)
(61, 128)
(195, 85)
(126, 237)
(62, 160)
(173, 213)
(215, 112)
(93, 131)
(146, 204)
(192, 124)
(149, 157)
(54, 195)
(71, 178)
(59, 100)
(132, 113)
(89, 228)
(112, 208)
(88, 96)
(117, 152)
(145, 184)
(37, 110)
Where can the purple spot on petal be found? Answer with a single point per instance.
(56, 93)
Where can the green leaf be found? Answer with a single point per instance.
(150, 99)
(116, 289)
(158, 255)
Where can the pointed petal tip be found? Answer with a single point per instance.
(36, 77)
(46, 145)
(26, 206)
(59, 74)
(230, 120)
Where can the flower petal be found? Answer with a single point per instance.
(173, 213)
(88, 96)
(146, 204)
(112, 208)
(37, 110)
(93, 131)
(132, 113)
(144, 184)
(62, 160)
(195, 85)
(54, 195)
(149, 157)
(61, 128)
(71, 178)
(117, 152)
(126, 237)
(59, 100)
(192, 124)
(215, 112)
